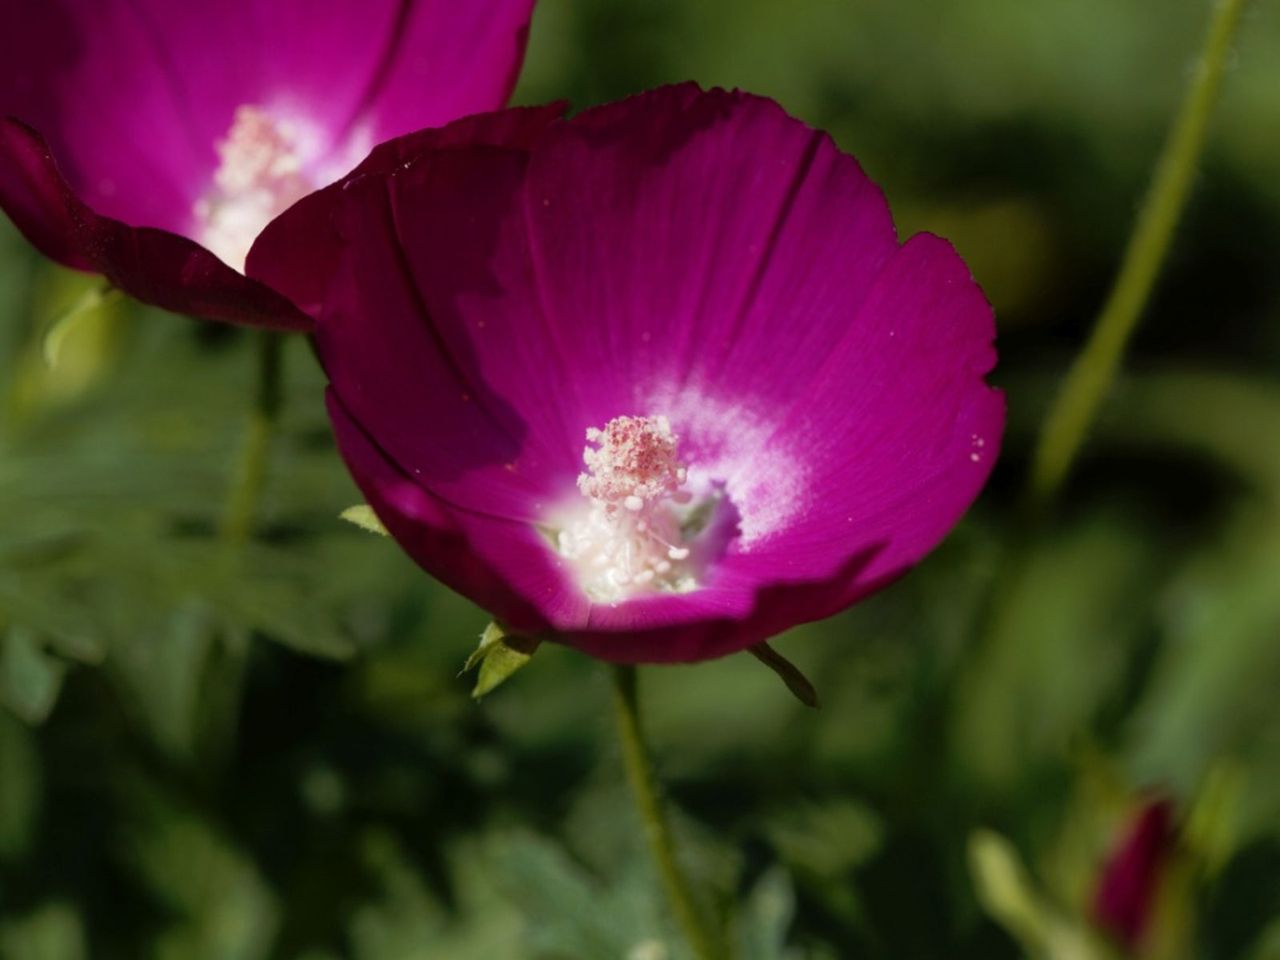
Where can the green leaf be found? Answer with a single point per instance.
(1010, 896)
(766, 918)
(162, 672)
(88, 305)
(220, 905)
(52, 932)
(20, 787)
(827, 839)
(30, 678)
(1212, 693)
(1212, 824)
(570, 913)
(1005, 890)
(1067, 600)
(1267, 946)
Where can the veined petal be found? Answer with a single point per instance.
(679, 234)
(447, 60)
(900, 431)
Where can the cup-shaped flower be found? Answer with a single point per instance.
(151, 140)
(657, 381)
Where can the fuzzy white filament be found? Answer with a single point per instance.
(260, 175)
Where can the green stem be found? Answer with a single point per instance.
(251, 471)
(644, 785)
(1094, 369)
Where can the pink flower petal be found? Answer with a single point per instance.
(674, 233)
(296, 254)
(154, 266)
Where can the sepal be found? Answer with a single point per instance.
(362, 516)
(499, 655)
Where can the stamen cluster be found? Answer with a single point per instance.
(635, 464)
(629, 539)
(260, 175)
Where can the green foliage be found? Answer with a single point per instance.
(53, 932)
(20, 788)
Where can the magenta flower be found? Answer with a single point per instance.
(658, 381)
(150, 141)
(1130, 879)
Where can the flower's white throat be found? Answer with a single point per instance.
(259, 176)
(630, 536)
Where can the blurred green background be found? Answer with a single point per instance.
(266, 754)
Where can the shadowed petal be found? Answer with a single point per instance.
(99, 87)
(37, 199)
(296, 253)
(440, 538)
(396, 341)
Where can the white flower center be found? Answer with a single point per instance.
(635, 532)
(259, 177)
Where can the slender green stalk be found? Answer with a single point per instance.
(648, 800)
(1094, 369)
(251, 471)
(226, 672)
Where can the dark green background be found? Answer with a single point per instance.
(269, 756)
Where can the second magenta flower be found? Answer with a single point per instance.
(151, 141)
